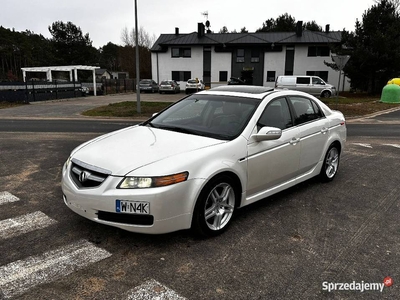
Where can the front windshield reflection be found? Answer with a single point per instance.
(221, 117)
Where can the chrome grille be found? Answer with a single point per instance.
(87, 176)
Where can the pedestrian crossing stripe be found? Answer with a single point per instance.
(152, 289)
(23, 224)
(6, 197)
(18, 277)
(392, 145)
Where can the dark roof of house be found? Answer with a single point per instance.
(236, 39)
(101, 71)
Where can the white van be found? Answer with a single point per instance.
(309, 84)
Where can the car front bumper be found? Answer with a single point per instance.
(171, 207)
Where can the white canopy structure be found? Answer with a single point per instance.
(69, 69)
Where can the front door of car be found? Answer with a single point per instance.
(317, 85)
(314, 132)
(276, 162)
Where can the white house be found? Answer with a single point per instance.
(257, 58)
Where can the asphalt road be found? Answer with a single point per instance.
(289, 246)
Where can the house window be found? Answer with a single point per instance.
(181, 75)
(270, 76)
(175, 52)
(181, 52)
(240, 55)
(255, 56)
(223, 75)
(318, 51)
(187, 52)
(322, 74)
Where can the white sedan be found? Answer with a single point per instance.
(194, 85)
(198, 161)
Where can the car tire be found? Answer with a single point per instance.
(215, 207)
(326, 94)
(330, 164)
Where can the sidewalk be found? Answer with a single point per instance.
(73, 107)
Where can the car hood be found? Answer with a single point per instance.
(126, 150)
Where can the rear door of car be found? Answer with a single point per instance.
(314, 131)
(271, 163)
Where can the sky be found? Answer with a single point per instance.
(105, 20)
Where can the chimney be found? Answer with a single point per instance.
(327, 28)
(299, 28)
(200, 30)
(176, 30)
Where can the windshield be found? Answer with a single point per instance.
(145, 82)
(220, 117)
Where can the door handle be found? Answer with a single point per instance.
(324, 130)
(294, 141)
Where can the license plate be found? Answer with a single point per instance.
(132, 207)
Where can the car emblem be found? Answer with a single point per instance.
(84, 176)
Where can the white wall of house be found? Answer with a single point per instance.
(273, 61)
(167, 64)
(220, 61)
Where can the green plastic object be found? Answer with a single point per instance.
(391, 94)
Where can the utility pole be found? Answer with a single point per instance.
(138, 108)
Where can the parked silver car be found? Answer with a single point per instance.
(309, 84)
(169, 86)
(198, 161)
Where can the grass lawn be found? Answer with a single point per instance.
(127, 109)
(351, 105)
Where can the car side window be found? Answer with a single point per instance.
(303, 80)
(316, 80)
(305, 110)
(276, 114)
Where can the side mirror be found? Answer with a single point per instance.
(267, 134)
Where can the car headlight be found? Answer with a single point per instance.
(66, 164)
(148, 182)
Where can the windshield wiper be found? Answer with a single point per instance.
(178, 129)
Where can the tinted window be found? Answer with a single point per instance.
(305, 109)
(303, 80)
(276, 114)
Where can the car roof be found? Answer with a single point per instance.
(251, 91)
